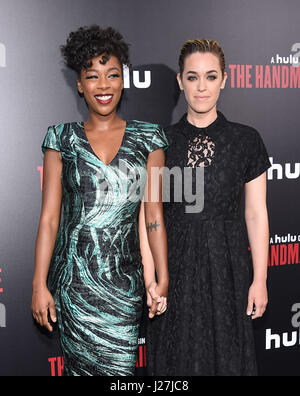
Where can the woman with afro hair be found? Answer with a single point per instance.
(89, 275)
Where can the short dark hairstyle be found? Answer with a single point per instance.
(87, 43)
(201, 45)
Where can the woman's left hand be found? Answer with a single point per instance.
(257, 299)
(156, 299)
(162, 290)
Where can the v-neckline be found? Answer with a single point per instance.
(92, 150)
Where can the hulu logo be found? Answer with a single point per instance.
(2, 315)
(141, 82)
(2, 55)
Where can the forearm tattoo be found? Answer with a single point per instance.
(150, 226)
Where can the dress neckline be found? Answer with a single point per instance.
(192, 130)
(91, 148)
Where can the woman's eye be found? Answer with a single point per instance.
(191, 78)
(212, 77)
(89, 77)
(116, 75)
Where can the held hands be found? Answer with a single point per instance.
(156, 298)
(42, 301)
(257, 299)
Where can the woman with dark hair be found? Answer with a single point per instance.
(214, 292)
(98, 170)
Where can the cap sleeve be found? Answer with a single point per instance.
(257, 157)
(159, 140)
(50, 140)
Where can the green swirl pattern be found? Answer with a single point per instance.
(96, 272)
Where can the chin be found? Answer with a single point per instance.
(204, 108)
(201, 109)
(104, 112)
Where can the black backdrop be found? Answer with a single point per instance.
(259, 38)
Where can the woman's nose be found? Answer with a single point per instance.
(103, 83)
(201, 84)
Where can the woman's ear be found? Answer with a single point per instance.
(79, 86)
(224, 80)
(179, 81)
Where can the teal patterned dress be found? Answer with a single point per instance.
(96, 272)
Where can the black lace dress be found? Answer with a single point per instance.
(205, 330)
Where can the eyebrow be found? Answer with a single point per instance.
(110, 69)
(114, 68)
(210, 71)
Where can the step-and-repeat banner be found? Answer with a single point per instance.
(261, 42)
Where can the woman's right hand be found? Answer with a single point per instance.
(42, 300)
(156, 299)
